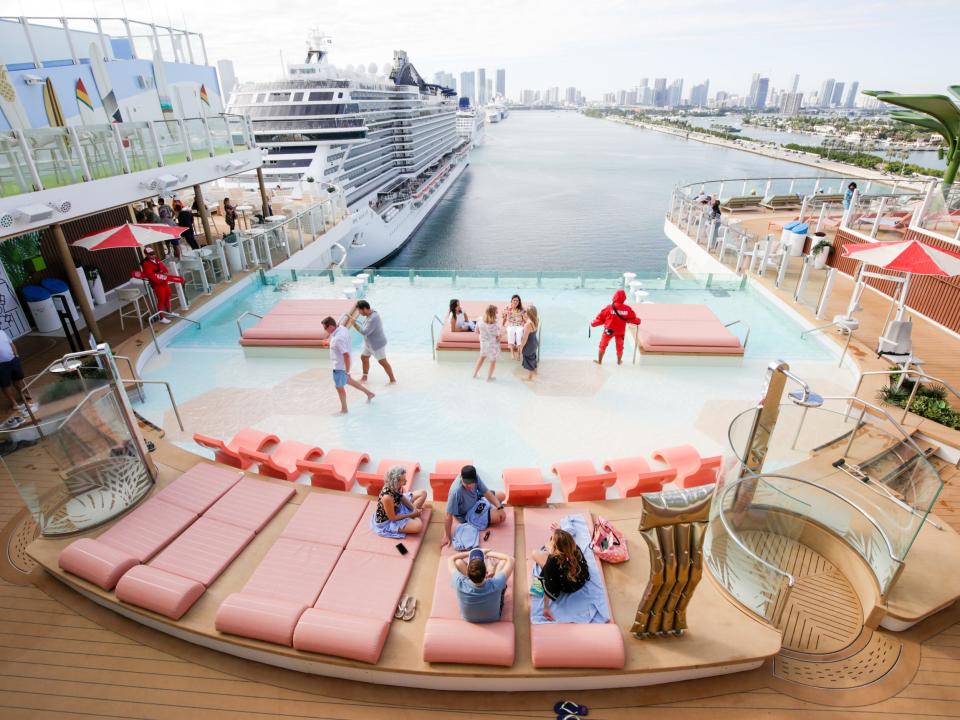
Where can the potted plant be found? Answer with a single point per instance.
(820, 250)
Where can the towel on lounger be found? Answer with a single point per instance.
(467, 535)
(392, 528)
(589, 603)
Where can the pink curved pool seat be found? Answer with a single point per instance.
(250, 503)
(634, 476)
(683, 328)
(448, 638)
(163, 592)
(200, 487)
(229, 453)
(281, 462)
(447, 339)
(326, 518)
(691, 469)
(373, 482)
(204, 550)
(597, 645)
(526, 486)
(366, 540)
(100, 564)
(146, 529)
(579, 480)
(443, 475)
(269, 619)
(337, 470)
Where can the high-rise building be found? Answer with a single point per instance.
(660, 97)
(228, 78)
(676, 93)
(644, 94)
(527, 97)
(482, 87)
(698, 94)
(790, 103)
(760, 99)
(468, 87)
(489, 94)
(796, 84)
(570, 96)
(852, 94)
(826, 93)
(752, 95)
(502, 83)
(721, 98)
(553, 96)
(836, 99)
(444, 79)
(609, 99)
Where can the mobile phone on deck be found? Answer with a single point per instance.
(402, 549)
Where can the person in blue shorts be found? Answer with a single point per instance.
(466, 492)
(11, 381)
(339, 339)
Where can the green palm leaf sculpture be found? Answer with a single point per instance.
(932, 112)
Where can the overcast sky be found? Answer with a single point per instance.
(597, 45)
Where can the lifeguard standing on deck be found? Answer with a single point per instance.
(159, 278)
(614, 318)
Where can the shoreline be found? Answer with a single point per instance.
(777, 153)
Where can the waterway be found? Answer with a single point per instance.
(561, 191)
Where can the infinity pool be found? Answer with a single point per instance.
(574, 410)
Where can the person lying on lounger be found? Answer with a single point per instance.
(472, 504)
(563, 569)
(398, 513)
(480, 580)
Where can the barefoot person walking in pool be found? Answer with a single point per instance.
(374, 339)
(340, 358)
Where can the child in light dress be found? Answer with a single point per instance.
(489, 341)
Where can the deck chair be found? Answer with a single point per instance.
(373, 482)
(782, 202)
(230, 453)
(692, 470)
(336, 471)
(282, 462)
(579, 480)
(443, 475)
(896, 345)
(526, 486)
(634, 476)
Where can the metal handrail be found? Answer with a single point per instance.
(746, 337)
(247, 312)
(173, 402)
(161, 314)
(433, 339)
(916, 385)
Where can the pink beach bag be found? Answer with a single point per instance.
(608, 543)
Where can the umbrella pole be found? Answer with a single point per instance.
(73, 280)
(902, 303)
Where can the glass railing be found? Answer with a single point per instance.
(39, 159)
(859, 453)
(78, 459)
(941, 214)
(812, 185)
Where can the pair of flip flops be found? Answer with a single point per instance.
(569, 710)
(406, 608)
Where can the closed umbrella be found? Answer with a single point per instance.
(129, 236)
(910, 257)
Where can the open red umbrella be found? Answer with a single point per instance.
(129, 236)
(910, 257)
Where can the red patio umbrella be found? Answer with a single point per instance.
(910, 257)
(129, 236)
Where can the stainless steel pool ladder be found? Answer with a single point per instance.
(836, 324)
(165, 314)
(245, 314)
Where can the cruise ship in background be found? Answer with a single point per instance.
(471, 122)
(389, 141)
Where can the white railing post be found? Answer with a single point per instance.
(793, 184)
(28, 159)
(206, 130)
(823, 215)
(848, 211)
(766, 257)
(720, 192)
(803, 207)
(826, 292)
(816, 186)
(753, 257)
(156, 143)
(744, 190)
(879, 214)
(124, 160)
(784, 263)
(33, 50)
(766, 190)
(918, 218)
(133, 48)
(185, 140)
(73, 49)
(804, 274)
(81, 157)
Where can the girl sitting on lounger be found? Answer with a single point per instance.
(459, 322)
(563, 568)
(390, 520)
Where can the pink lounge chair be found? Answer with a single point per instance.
(373, 482)
(692, 470)
(337, 471)
(634, 476)
(230, 453)
(526, 486)
(579, 480)
(443, 476)
(282, 462)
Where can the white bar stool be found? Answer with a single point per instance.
(132, 297)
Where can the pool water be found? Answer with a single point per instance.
(574, 410)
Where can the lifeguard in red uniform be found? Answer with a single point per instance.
(159, 278)
(614, 318)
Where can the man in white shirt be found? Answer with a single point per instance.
(11, 377)
(339, 339)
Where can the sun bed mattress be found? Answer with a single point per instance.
(295, 323)
(683, 328)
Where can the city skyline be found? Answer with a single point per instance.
(612, 46)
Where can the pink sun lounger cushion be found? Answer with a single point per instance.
(448, 638)
(568, 645)
(262, 618)
(144, 531)
(579, 480)
(692, 469)
(341, 634)
(326, 518)
(250, 504)
(711, 336)
(204, 550)
(337, 470)
(634, 476)
(526, 486)
(98, 563)
(229, 453)
(158, 590)
(200, 487)
(293, 570)
(364, 538)
(281, 463)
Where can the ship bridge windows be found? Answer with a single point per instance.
(266, 139)
(321, 96)
(269, 111)
(279, 97)
(292, 149)
(289, 163)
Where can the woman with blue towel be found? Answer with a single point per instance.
(398, 513)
